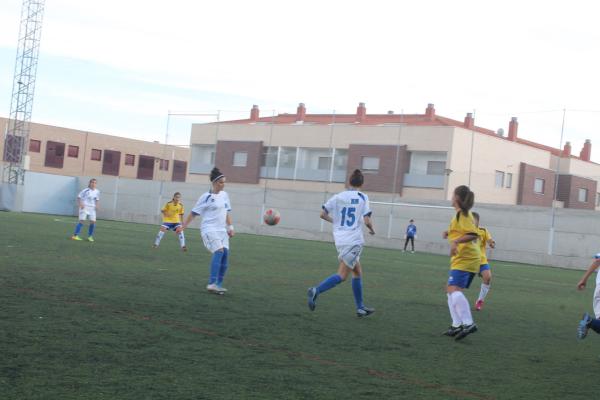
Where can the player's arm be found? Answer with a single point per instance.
(466, 238)
(369, 223)
(97, 202)
(229, 222)
(325, 215)
(593, 267)
(187, 221)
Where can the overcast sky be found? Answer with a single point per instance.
(118, 66)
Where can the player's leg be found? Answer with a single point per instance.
(458, 281)
(587, 321)
(224, 263)
(357, 290)
(412, 243)
(181, 238)
(92, 227)
(328, 283)
(486, 280)
(82, 218)
(405, 243)
(159, 235)
(213, 244)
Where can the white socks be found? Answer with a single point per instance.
(159, 238)
(181, 239)
(461, 307)
(484, 291)
(455, 319)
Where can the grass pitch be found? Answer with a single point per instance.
(116, 319)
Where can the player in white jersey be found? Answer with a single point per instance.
(216, 228)
(347, 211)
(587, 321)
(87, 200)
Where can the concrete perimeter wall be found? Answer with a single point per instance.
(521, 233)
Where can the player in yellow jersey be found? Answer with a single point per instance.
(172, 215)
(485, 239)
(464, 262)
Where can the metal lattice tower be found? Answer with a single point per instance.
(16, 138)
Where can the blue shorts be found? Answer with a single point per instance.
(170, 226)
(484, 267)
(459, 278)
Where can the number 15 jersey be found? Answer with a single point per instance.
(347, 209)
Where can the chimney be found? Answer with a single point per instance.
(586, 152)
(566, 150)
(361, 112)
(254, 113)
(513, 127)
(430, 112)
(469, 121)
(391, 112)
(300, 112)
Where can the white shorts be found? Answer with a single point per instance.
(214, 241)
(86, 212)
(349, 254)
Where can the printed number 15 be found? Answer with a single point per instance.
(348, 216)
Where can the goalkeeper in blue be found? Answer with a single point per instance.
(347, 211)
(587, 321)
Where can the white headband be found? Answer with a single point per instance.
(217, 178)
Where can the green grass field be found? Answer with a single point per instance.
(116, 319)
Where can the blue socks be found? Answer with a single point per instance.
(78, 229)
(357, 290)
(91, 229)
(595, 325)
(215, 266)
(329, 283)
(224, 265)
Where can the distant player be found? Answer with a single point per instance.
(464, 262)
(485, 239)
(216, 228)
(87, 200)
(347, 211)
(587, 321)
(411, 235)
(172, 216)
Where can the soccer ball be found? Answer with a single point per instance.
(271, 217)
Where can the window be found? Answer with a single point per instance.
(163, 165)
(34, 145)
(269, 157)
(499, 179)
(73, 151)
(324, 163)
(508, 182)
(129, 159)
(538, 185)
(370, 164)
(597, 199)
(240, 159)
(202, 158)
(436, 167)
(96, 155)
(583, 195)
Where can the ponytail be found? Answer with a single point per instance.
(465, 198)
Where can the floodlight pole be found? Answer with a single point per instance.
(556, 176)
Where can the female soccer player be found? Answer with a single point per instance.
(485, 272)
(216, 228)
(172, 215)
(464, 262)
(587, 321)
(87, 200)
(347, 211)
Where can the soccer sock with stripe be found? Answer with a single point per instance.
(357, 289)
(159, 237)
(224, 266)
(78, 228)
(329, 283)
(461, 305)
(91, 229)
(484, 291)
(181, 239)
(456, 322)
(215, 266)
